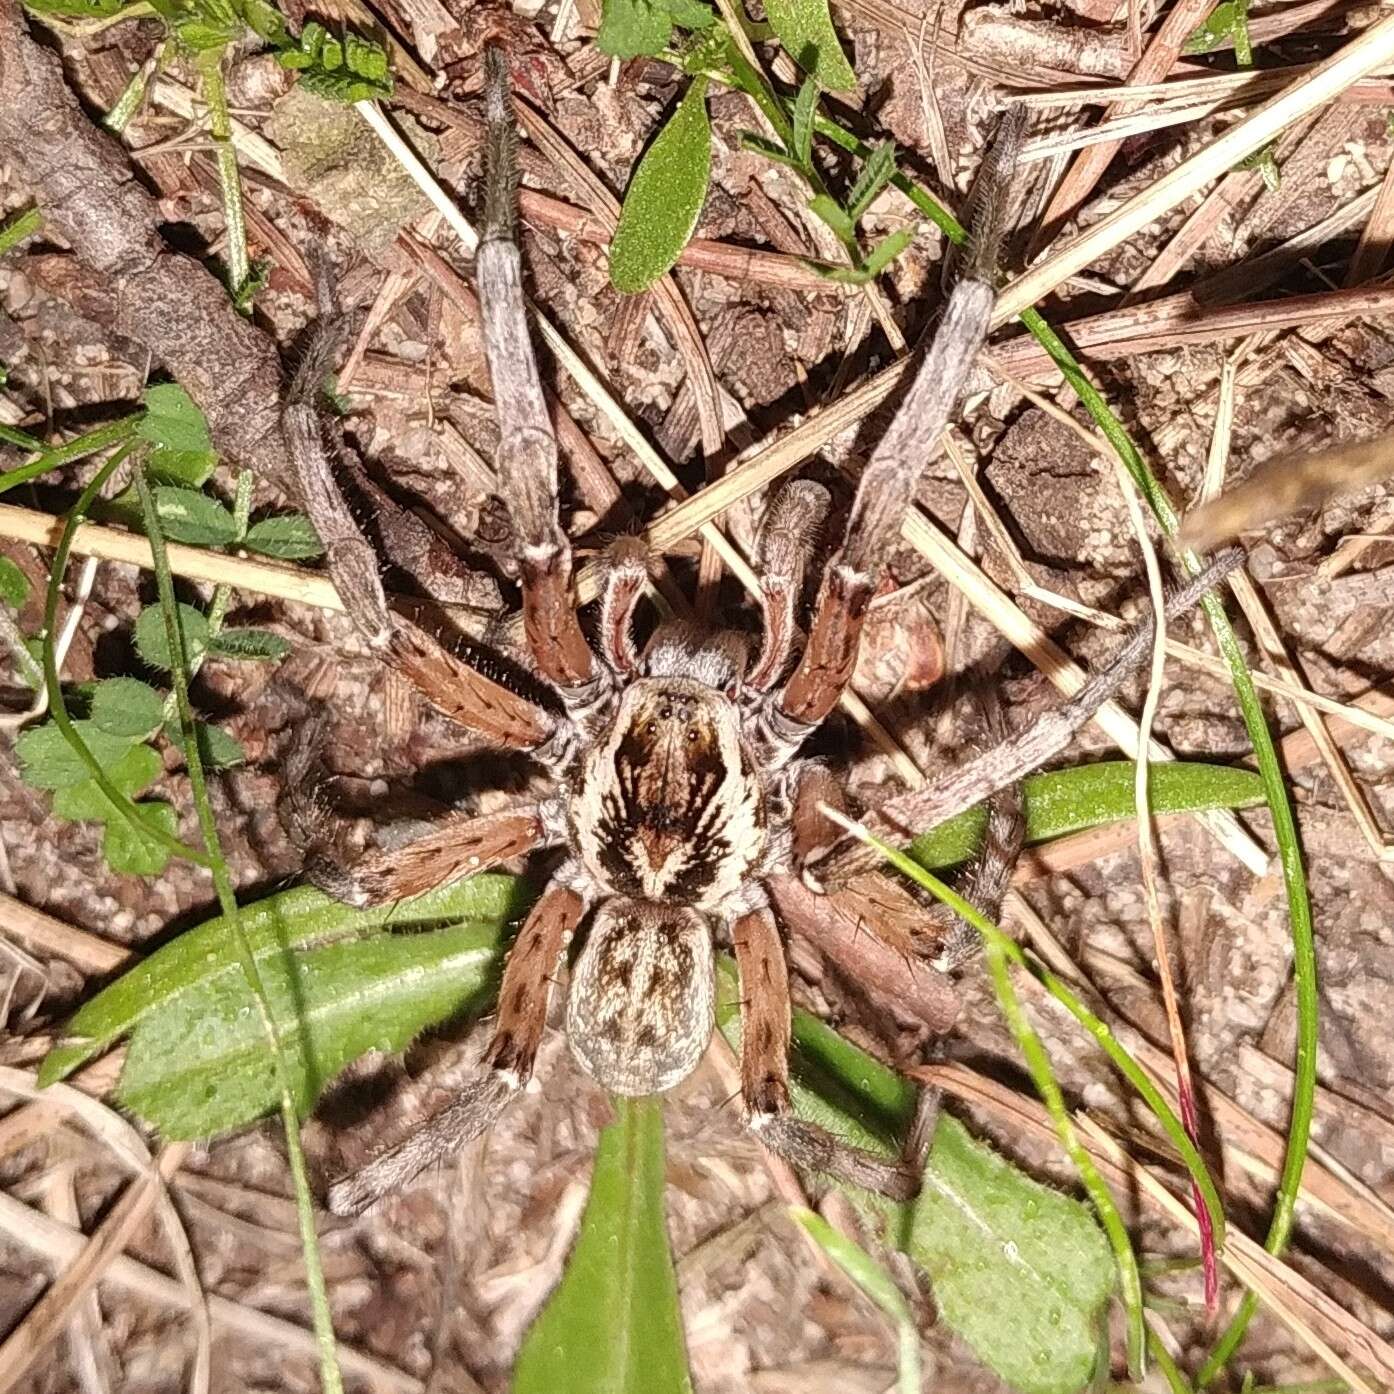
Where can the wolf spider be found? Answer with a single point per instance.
(680, 792)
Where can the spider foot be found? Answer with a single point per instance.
(812, 1148)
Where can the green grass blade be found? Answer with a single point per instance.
(613, 1325)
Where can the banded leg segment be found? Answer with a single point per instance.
(884, 495)
(456, 847)
(527, 454)
(507, 1065)
(788, 535)
(765, 1030)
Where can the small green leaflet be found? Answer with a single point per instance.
(805, 107)
(76, 9)
(289, 536)
(128, 708)
(14, 584)
(47, 761)
(152, 637)
(129, 853)
(189, 516)
(248, 643)
(216, 747)
(183, 452)
(613, 1325)
(805, 28)
(629, 28)
(1216, 29)
(875, 174)
(132, 773)
(351, 69)
(665, 196)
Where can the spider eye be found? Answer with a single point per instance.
(691, 733)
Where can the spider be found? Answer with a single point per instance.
(685, 809)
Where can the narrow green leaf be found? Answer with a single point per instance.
(76, 9)
(132, 774)
(832, 213)
(770, 149)
(248, 643)
(1216, 29)
(129, 853)
(152, 641)
(613, 1325)
(1065, 801)
(207, 954)
(876, 172)
(175, 426)
(289, 536)
(14, 584)
(877, 1284)
(127, 707)
(875, 261)
(189, 516)
(200, 1065)
(805, 106)
(805, 28)
(48, 761)
(665, 196)
(16, 228)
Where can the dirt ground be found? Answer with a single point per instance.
(439, 1286)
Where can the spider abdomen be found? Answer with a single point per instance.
(670, 809)
(640, 1010)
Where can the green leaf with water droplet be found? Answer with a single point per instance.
(665, 196)
(805, 28)
(613, 1326)
(200, 1065)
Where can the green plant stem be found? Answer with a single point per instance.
(129, 102)
(57, 703)
(1284, 832)
(210, 69)
(103, 438)
(16, 229)
(12, 435)
(330, 1378)
(1176, 1381)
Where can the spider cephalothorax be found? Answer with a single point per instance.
(680, 803)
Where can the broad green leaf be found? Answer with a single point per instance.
(217, 748)
(290, 536)
(201, 1064)
(183, 450)
(127, 707)
(1021, 1271)
(129, 853)
(14, 584)
(805, 28)
(613, 1325)
(152, 639)
(248, 643)
(1064, 801)
(189, 516)
(876, 172)
(132, 774)
(665, 197)
(805, 105)
(47, 761)
(206, 956)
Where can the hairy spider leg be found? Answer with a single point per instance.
(527, 455)
(765, 1034)
(506, 1068)
(457, 846)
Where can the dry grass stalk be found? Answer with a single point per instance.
(1362, 56)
